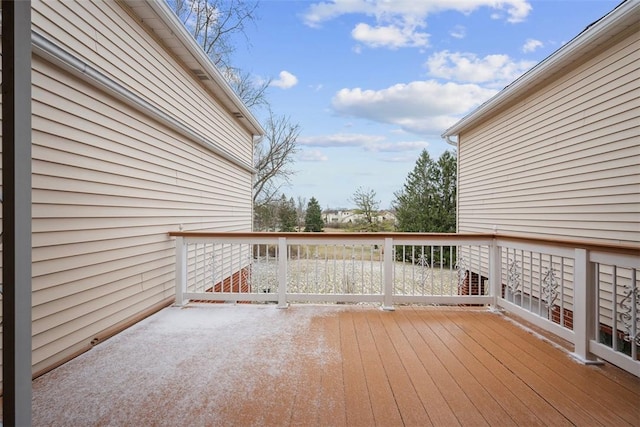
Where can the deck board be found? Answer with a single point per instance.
(512, 386)
(453, 393)
(603, 399)
(566, 398)
(409, 405)
(454, 338)
(383, 403)
(433, 402)
(331, 405)
(333, 366)
(486, 404)
(356, 392)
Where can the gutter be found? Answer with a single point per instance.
(53, 53)
(624, 15)
(450, 141)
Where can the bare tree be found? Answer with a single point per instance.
(273, 155)
(213, 23)
(365, 201)
(252, 93)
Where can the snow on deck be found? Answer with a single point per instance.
(179, 364)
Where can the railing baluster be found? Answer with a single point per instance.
(282, 272)
(634, 315)
(387, 303)
(562, 302)
(181, 270)
(495, 272)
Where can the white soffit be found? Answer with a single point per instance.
(158, 17)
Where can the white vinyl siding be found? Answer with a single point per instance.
(563, 161)
(105, 35)
(108, 184)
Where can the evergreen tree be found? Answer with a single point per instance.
(447, 193)
(427, 203)
(313, 218)
(265, 217)
(287, 214)
(414, 204)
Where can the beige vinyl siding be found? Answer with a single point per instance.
(104, 34)
(108, 184)
(563, 161)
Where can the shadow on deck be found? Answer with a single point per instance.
(331, 365)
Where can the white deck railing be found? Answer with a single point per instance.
(584, 292)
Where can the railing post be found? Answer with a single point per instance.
(282, 272)
(181, 271)
(387, 267)
(584, 306)
(495, 273)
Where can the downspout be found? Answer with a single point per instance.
(456, 145)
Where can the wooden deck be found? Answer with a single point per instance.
(333, 366)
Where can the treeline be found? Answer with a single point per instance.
(426, 203)
(289, 215)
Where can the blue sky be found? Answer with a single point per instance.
(373, 83)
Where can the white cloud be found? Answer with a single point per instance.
(498, 70)
(420, 107)
(312, 156)
(398, 147)
(286, 80)
(397, 24)
(389, 36)
(400, 159)
(340, 140)
(531, 45)
(458, 32)
(410, 12)
(373, 143)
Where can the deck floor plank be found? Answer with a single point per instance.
(307, 386)
(566, 399)
(331, 409)
(331, 366)
(458, 341)
(458, 401)
(435, 404)
(383, 402)
(542, 409)
(409, 404)
(356, 393)
(486, 405)
(604, 399)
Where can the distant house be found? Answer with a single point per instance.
(135, 134)
(342, 217)
(557, 152)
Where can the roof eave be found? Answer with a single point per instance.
(181, 43)
(616, 21)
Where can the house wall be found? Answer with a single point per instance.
(561, 162)
(109, 182)
(564, 160)
(106, 35)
